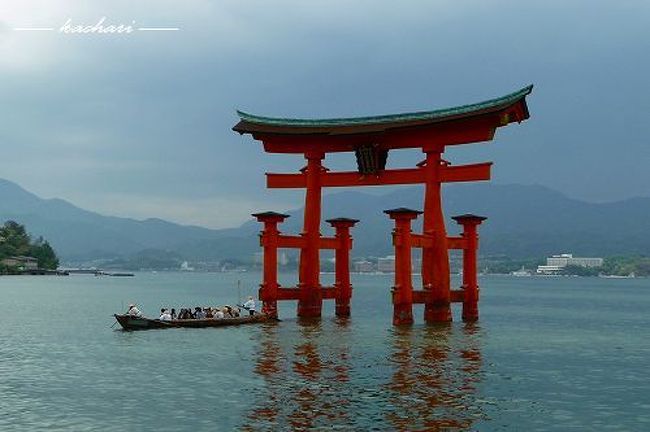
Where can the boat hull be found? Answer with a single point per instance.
(130, 323)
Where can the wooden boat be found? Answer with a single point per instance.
(129, 322)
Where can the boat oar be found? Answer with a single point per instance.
(116, 321)
(238, 291)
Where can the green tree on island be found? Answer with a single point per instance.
(43, 252)
(15, 241)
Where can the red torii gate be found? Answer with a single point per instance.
(371, 138)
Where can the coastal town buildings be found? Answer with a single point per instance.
(386, 264)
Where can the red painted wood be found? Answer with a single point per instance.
(343, 292)
(457, 296)
(463, 173)
(435, 259)
(448, 174)
(329, 293)
(402, 292)
(289, 293)
(329, 243)
(269, 287)
(421, 296)
(431, 137)
(456, 243)
(470, 255)
(291, 242)
(424, 296)
(421, 240)
(465, 131)
(310, 302)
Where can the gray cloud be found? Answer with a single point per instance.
(146, 118)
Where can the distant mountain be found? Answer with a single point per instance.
(77, 234)
(523, 221)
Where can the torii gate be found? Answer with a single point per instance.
(371, 139)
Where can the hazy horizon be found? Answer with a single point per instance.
(139, 125)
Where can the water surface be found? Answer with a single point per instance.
(548, 354)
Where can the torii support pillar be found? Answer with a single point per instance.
(470, 223)
(403, 289)
(310, 302)
(435, 258)
(342, 264)
(269, 240)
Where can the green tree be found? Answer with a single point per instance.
(45, 255)
(15, 241)
(581, 271)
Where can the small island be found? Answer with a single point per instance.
(19, 255)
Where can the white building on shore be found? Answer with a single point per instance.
(363, 266)
(556, 263)
(564, 260)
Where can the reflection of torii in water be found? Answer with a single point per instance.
(434, 385)
(305, 388)
(429, 384)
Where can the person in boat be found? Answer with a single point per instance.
(134, 311)
(198, 313)
(165, 315)
(173, 314)
(250, 305)
(219, 314)
(208, 312)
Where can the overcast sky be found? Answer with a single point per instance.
(139, 124)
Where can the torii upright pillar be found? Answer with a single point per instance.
(435, 259)
(470, 223)
(269, 240)
(343, 287)
(311, 297)
(403, 288)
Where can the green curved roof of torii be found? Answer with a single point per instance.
(248, 120)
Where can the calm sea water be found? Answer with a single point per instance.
(548, 354)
